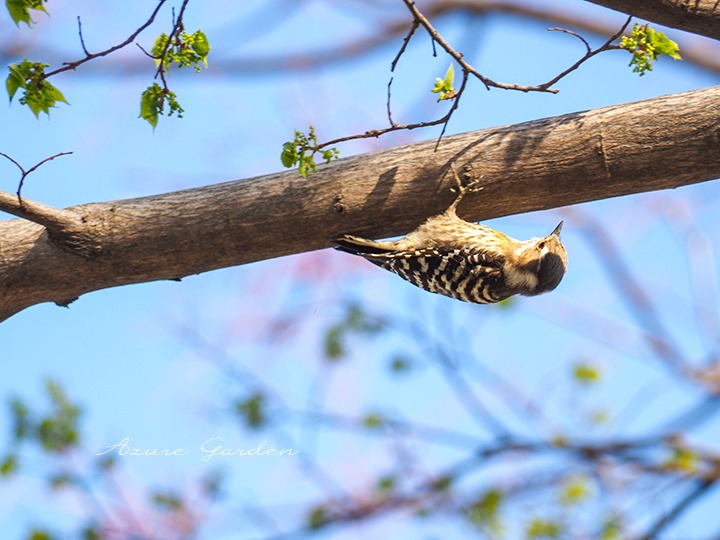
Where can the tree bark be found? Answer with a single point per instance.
(57, 255)
(697, 16)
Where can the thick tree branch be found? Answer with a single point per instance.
(47, 216)
(655, 144)
(697, 16)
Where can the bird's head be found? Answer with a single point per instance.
(540, 264)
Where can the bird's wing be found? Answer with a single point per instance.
(467, 275)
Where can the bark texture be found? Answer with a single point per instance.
(697, 16)
(655, 144)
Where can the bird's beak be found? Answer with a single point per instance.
(557, 230)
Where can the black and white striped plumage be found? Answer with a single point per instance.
(471, 262)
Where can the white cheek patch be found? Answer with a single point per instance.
(520, 278)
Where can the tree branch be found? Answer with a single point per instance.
(52, 218)
(699, 16)
(67, 66)
(695, 52)
(701, 488)
(692, 51)
(655, 144)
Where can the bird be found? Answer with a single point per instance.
(467, 261)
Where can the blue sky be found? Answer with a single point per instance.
(130, 356)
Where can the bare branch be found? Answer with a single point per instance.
(698, 52)
(458, 57)
(47, 216)
(406, 41)
(68, 66)
(608, 45)
(467, 69)
(701, 488)
(82, 40)
(605, 153)
(25, 173)
(632, 294)
(574, 34)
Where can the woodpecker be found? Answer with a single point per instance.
(467, 261)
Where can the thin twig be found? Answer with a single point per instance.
(68, 66)
(544, 87)
(575, 34)
(683, 504)
(389, 110)
(82, 40)
(638, 302)
(375, 133)
(44, 215)
(406, 41)
(453, 108)
(178, 27)
(25, 173)
(420, 20)
(34, 168)
(588, 55)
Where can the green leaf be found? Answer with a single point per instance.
(182, 49)
(19, 10)
(682, 459)
(59, 430)
(359, 321)
(646, 45)
(106, 462)
(150, 105)
(386, 484)
(301, 152)
(22, 423)
(444, 87)
(61, 480)
(289, 155)
(201, 45)
(54, 94)
(9, 465)
(611, 530)
(586, 373)
(450, 76)
(374, 420)
(158, 48)
(508, 303)
(153, 101)
(14, 81)
(540, 528)
(40, 534)
(334, 346)
(663, 44)
(39, 95)
(600, 417)
(574, 491)
(443, 483)
(400, 365)
(485, 511)
(167, 501)
(318, 518)
(91, 532)
(253, 411)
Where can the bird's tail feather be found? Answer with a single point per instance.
(361, 246)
